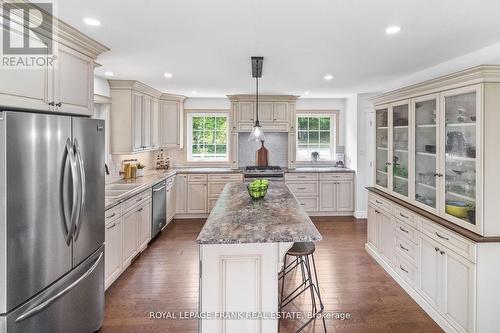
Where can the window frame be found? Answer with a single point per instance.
(334, 127)
(189, 136)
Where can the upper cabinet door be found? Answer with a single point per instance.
(400, 147)
(266, 111)
(169, 119)
(246, 112)
(426, 150)
(146, 122)
(73, 82)
(461, 164)
(281, 111)
(137, 121)
(382, 148)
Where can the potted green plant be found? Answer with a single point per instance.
(140, 169)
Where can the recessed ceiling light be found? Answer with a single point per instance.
(306, 93)
(92, 21)
(168, 75)
(328, 77)
(109, 74)
(194, 92)
(392, 30)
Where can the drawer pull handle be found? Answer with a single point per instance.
(403, 230)
(110, 216)
(301, 188)
(376, 211)
(140, 210)
(436, 249)
(378, 201)
(441, 236)
(403, 269)
(111, 226)
(442, 252)
(138, 200)
(403, 248)
(403, 215)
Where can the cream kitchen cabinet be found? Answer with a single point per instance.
(66, 87)
(216, 184)
(336, 196)
(113, 248)
(436, 146)
(197, 198)
(170, 199)
(130, 236)
(452, 277)
(447, 281)
(171, 121)
(181, 193)
(134, 117)
(246, 112)
(144, 226)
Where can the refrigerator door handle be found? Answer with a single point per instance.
(67, 230)
(40, 307)
(74, 170)
(82, 188)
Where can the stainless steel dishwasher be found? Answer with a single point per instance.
(159, 219)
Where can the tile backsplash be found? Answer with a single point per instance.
(276, 144)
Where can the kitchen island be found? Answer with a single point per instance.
(242, 247)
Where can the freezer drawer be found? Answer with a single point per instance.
(73, 304)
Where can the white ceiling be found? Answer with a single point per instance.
(207, 44)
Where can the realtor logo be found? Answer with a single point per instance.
(27, 35)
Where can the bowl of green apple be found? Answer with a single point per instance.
(258, 188)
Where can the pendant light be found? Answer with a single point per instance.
(257, 132)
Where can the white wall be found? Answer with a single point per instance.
(101, 86)
(207, 103)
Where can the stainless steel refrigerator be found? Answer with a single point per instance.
(51, 223)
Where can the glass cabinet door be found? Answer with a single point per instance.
(382, 147)
(426, 151)
(460, 136)
(400, 135)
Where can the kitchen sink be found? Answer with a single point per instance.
(121, 187)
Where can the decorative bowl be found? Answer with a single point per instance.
(459, 209)
(258, 188)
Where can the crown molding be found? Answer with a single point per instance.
(62, 32)
(172, 97)
(135, 86)
(473, 75)
(262, 98)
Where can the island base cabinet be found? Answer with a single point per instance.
(246, 281)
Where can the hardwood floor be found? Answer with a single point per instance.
(165, 278)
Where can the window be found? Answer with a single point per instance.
(316, 134)
(207, 137)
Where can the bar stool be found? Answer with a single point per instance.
(303, 254)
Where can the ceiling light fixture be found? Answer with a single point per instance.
(306, 93)
(328, 77)
(392, 30)
(92, 21)
(257, 132)
(168, 75)
(109, 73)
(194, 92)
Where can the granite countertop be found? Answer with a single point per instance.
(319, 169)
(236, 218)
(207, 170)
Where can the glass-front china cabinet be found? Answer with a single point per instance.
(437, 146)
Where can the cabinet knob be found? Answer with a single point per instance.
(52, 103)
(59, 104)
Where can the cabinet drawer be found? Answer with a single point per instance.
(226, 178)
(380, 202)
(448, 238)
(195, 178)
(304, 189)
(293, 177)
(406, 249)
(405, 215)
(406, 270)
(336, 176)
(406, 231)
(309, 204)
(135, 200)
(112, 214)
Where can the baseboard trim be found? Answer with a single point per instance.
(361, 214)
(434, 314)
(332, 214)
